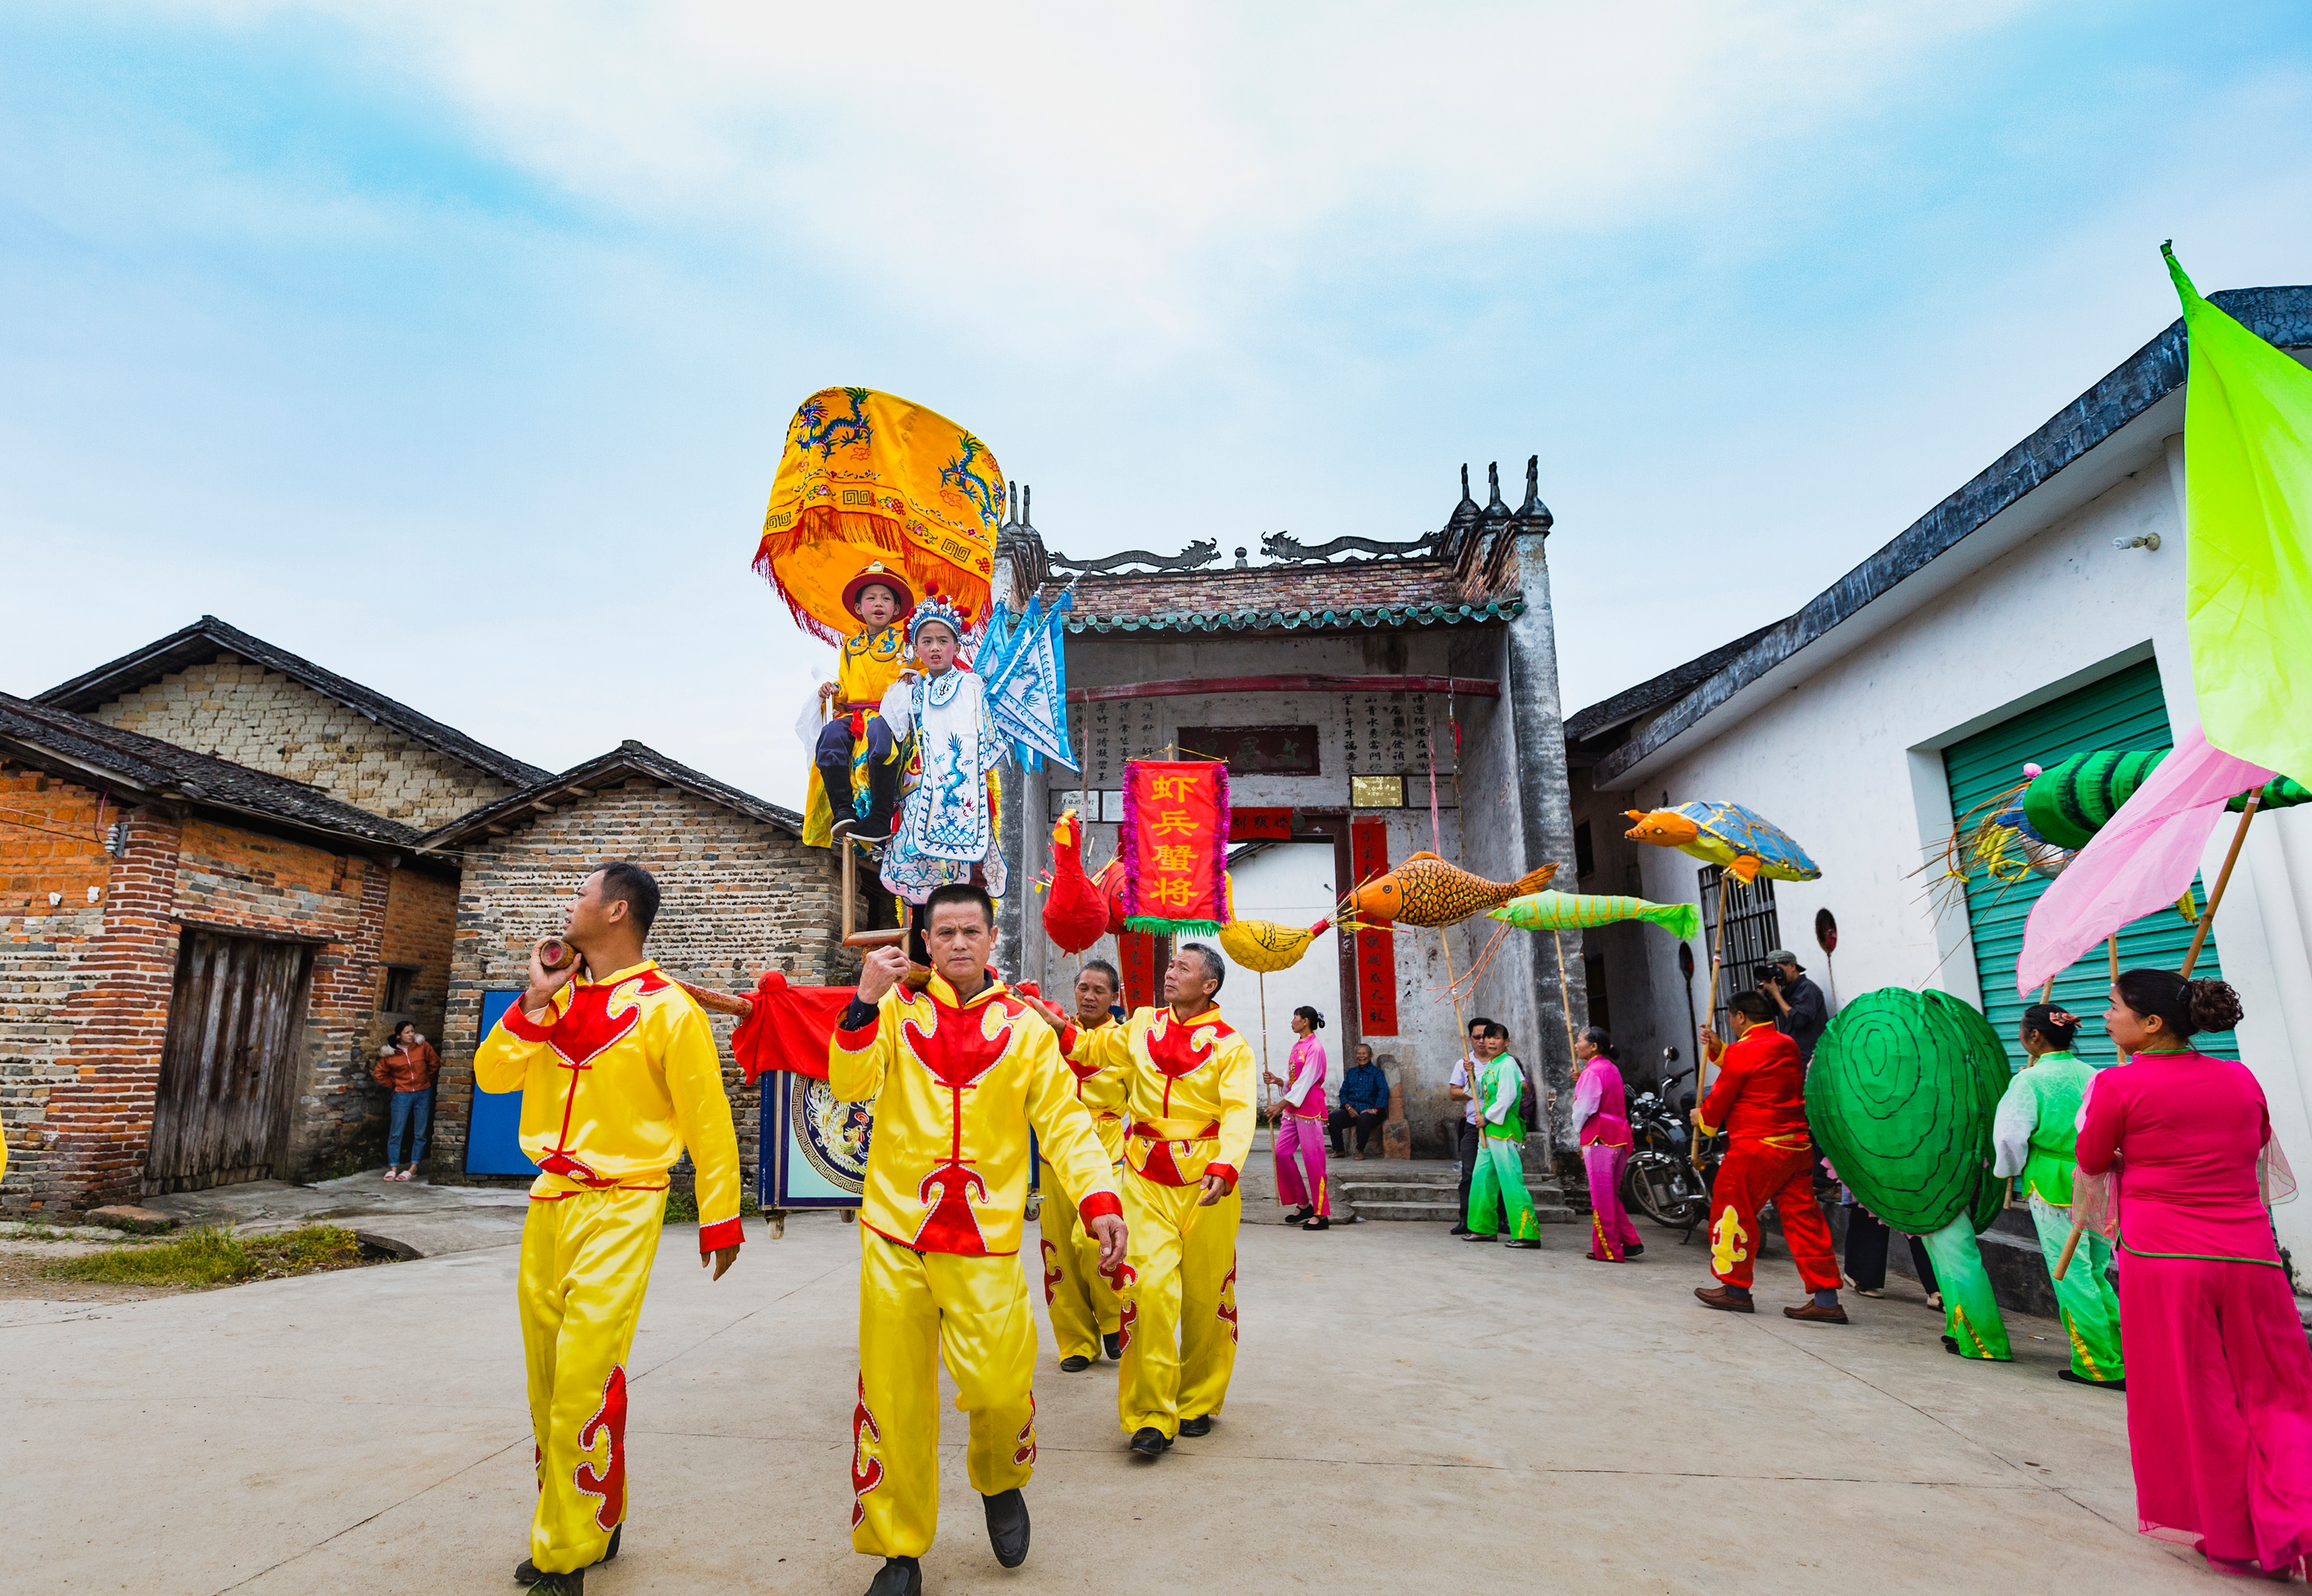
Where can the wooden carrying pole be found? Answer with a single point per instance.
(2190, 959)
(1709, 1012)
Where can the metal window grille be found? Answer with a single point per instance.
(1752, 930)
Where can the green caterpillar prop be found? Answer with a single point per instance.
(2068, 803)
(1579, 911)
(1900, 1096)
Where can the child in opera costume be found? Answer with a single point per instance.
(856, 757)
(2219, 1376)
(1081, 1299)
(1190, 1076)
(946, 833)
(618, 1073)
(1301, 1127)
(2035, 1134)
(959, 1073)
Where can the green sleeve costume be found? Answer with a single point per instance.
(1498, 1181)
(2036, 1130)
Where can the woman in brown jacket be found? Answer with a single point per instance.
(407, 1066)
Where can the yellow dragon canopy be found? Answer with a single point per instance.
(865, 475)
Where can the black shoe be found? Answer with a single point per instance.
(1113, 1342)
(1633, 1249)
(1950, 1345)
(1074, 1364)
(1194, 1428)
(1148, 1441)
(1299, 1216)
(898, 1577)
(2101, 1385)
(526, 1572)
(1459, 1230)
(1323, 1221)
(1007, 1526)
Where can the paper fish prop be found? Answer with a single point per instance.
(1577, 911)
(1265, 947)
(1726, 833)
(1425, 890)
(1075, 911)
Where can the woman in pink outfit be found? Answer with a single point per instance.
(2219, 1379)
(1601, 1120)
(1301, 1127)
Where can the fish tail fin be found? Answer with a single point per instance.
(1681, 920)
(1533, 881)
(1746, 867)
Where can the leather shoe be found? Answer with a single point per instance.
(1148, 1441)
(1322, 1222)
(1074, 1364)
(1724, 1301)
(1634, 1249)
(898, 1577)
(1198, 1426)
(1817, 1313)
(1113, 1343)
(1007, 1526)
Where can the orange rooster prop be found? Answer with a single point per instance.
(1076, 911)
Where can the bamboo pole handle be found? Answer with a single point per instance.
(2223, 879)
(2071, 1245)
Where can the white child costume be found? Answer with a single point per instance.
(947, 826)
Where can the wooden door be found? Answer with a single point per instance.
(228, 1067)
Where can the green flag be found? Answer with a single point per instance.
(2247, 583)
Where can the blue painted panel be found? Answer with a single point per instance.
(493, 1137)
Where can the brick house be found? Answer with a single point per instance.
(217, 895)
(741, 895)
(190, 954)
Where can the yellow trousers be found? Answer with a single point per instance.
(970, 1314)
(585, 1264)
(1178, 1312)
(1082, 1301)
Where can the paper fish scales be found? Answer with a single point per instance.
(1747, 844)
(1265, 947)
(1579, 911)
(1426, 890)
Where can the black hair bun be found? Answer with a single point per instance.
(2213, 1005)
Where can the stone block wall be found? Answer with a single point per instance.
(738, 898)
(240, 712)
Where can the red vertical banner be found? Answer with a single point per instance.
(1173, 845)
(1135, 950)
(1376, 950)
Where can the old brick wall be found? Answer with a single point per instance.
(421, 927)
(739, 898)
(240, 711)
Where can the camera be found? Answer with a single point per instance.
(1764, 974)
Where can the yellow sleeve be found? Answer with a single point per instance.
(856, 1059)
(1237, 1114)
(502, 1063)
(1064, 1133)
(702, 1112)
(1109, 1046)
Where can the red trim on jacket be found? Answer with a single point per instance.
(1227, 1171)
(523, 1026)
(861, 1040)
(722, 1234)
(1098, 1203)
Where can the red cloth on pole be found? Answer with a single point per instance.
(789, 1027)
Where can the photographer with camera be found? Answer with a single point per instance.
(1804, 1015)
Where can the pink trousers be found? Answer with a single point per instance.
(1306, 1138)
(2219, 1407)
(1610, 1230)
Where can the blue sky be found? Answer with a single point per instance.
(450, 344)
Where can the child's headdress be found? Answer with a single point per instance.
(878, 572)
(936, 609)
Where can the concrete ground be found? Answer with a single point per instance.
(1411, 1413)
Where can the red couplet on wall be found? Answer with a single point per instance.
(1135, 950)
(1376, 950)
(1260, 825)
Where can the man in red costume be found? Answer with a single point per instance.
(1759, 1102)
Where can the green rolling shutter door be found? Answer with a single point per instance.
(2125, 710)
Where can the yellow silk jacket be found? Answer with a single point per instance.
(1101, 1088)
(1189, 1103)
(622, 1079)
(866, 666)
(956, 1084)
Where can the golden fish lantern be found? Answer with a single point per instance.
(865, 475)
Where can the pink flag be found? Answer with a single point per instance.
(2142, 861)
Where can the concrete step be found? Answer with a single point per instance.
(1442, 1213)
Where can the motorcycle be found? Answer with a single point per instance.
(1661, 1182)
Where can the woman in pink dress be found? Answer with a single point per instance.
(1301, 1127)
(2220, 1378)
(1601, 1123)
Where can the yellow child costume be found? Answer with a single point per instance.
(956, 1086)
(854, 747)
(1081, 1300)
(623, 1077)
(1190, 1107)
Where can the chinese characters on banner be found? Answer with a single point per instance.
(1175, 845)
(1376, 950)
(1135, 950)
(1260, 825)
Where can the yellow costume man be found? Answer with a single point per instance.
(1190, 1079)
(1081, 1300)
(617, 1075)
(957, 1072)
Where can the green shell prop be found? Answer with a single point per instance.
(1900, 1098)
(2068, 803)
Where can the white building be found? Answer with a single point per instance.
(2028, 616)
